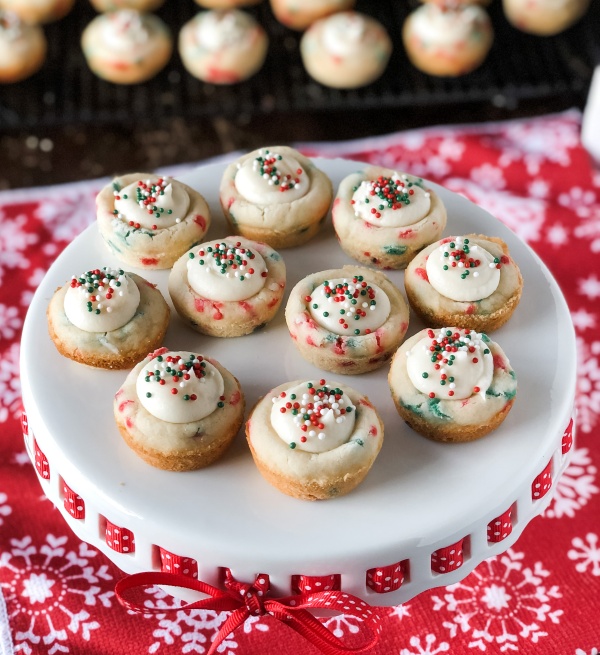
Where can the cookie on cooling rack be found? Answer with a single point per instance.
(469, 282)
(226, 4)
(223, 47)
(38, 11)
(228, 287)
(384, 217)
(300, 15)
(348, 320)
(314, 439)
(346, 50)
(447, 40)
(452, 384)
(126, 46)
(275, 195)
(179, 411)
(22, 48)
(149, 220)
(544, 17)
(107, 318)
(138, 5)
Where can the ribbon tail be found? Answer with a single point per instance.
(305, 624)
(234, 621)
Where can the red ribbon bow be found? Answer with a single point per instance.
(244, 600)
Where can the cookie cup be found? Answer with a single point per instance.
(138, 5)
(453, 420)
(346, 355)
(281, 225)
(127, 67)
(384, 247)
(229, 318)
(117, 349)
(444, 59)
(38, 11)
(314, 476)
(483, 315)
(300, 15)
(178, 446)
(544, 18)
(21, 58)
(144, 248)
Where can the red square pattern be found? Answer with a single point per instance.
(567, 440)
(24, 423)
(41, 463)
(73, 503)
(447, 559)
(383, 579)
(308, 583)
(543, 483)
(500, 527)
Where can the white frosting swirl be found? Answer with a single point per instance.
(154, 204)
(451, 364)
(349, 306)
(396, 201)
(271, 178)
(221, 29)
(226, 270)
(11, 27)
(313, 416)
(180, 387)
(463, 271)
(343, 33)
(125, 30)
(446, 26)
(101, 300)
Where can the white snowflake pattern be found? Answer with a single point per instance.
(422, 156)
(428, 648)
(499, 603)
(557, 235)
(525, 216)
(582, 319)
(5, 508)
(10, 384)
(22, 458)
(14, 241)
(67, 212)
(400, 611)
(339, 624)
(45, 590)
(575, 486)
(538, 142)
(10, 321)
(590, 287)
(190, 627)
(586, 206)
(539, 188)
(580, 651)
(488, 176)
(586, 554)
(587, 399)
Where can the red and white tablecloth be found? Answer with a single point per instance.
(542, 596)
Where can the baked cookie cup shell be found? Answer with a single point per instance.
(227, 65)
(126, 69)
(233, 318)
(150, 249)
(314, 476)
(117, 349)
(538, 19)
(446, 60)
(453, 420)
(22, 65)
(346, 355)
(384, 247)
(40, 12)
(300, 15)
(483, 315)
(280, 225)
(138, 5)
(178, 446)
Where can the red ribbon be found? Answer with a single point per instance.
(245, 600)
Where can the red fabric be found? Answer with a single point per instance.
(542, 597)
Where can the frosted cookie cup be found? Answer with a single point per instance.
(138, 5)
(346, 50)
(126, 46)
(447, 40)
(300, 14)
(107, 318)
(149, 221)
(275, 195)
(469, 282)
(451, 384)
(223, 47)
(544, 17)
(22, 48)
(228, 287)
(383, 217)
(349, 320)
(38, 11)
(179, 411)
(314, 440)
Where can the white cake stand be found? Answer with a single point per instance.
(419, 497)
